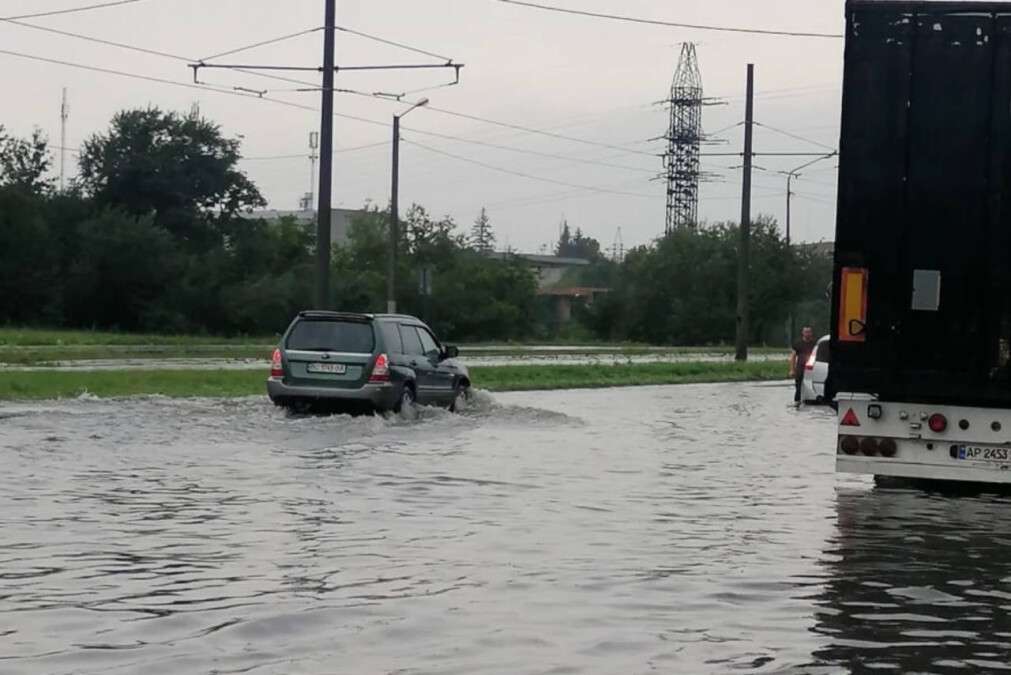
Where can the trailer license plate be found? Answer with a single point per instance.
(975, 453)
(328, 368)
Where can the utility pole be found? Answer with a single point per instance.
(324, 213)
(745, 243)
(64, 116)
(391, 260)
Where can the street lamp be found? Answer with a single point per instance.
(790, 175)
(391, 272)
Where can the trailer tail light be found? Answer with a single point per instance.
(381, 371)
(938, 423)
(869, 446)
(850, 419)
(888, 447)
(853, 304)
(849, 444)
(276, 367)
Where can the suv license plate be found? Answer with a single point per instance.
(328, 368)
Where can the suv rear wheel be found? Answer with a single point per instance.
(407, 403)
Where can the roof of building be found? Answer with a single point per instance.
(543, 260)
(573, 292)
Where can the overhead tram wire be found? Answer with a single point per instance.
(178, 57)
(492, 167)
(671, 24)
(159, 80)
(338, 151)
(290, 104)
(72, 10)
(794, 136)
(549, 134)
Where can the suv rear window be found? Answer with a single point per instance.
(333, 336)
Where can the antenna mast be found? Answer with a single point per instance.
(64, 116)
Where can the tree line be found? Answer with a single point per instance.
(154, 235)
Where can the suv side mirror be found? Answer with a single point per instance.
(451, 352)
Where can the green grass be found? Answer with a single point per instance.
(26, 356)
(529, 378)
(40, 385)
(34, 337)
(26, 346)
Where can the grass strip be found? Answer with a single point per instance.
(36, 337)
(43, 385)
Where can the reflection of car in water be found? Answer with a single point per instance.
(816, 372)
(364, 361)
(914, 583)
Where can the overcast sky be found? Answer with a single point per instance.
(582, 77)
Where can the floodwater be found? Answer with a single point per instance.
(686, 529)
(606, 358)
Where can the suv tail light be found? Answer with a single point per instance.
(276, 367)
(381, 371)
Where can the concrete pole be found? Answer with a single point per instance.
(325, 213)
(745, 243)
(391, 273)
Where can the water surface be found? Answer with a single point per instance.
(666, 529)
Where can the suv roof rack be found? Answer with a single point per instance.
(325, 314)
(397, 316)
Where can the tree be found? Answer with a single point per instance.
(29, 258)
(180, 169)
(564, 241)
(482, 238)
(24, 163)
(125, 264)
(578, 246)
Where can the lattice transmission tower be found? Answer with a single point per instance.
(684, 138)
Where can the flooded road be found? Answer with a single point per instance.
(684, 529)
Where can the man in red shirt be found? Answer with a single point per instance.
(798, 357)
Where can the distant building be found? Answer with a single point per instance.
(340, 221)
(563, 299)
(825, 248)
(550, 269)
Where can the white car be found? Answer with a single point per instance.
(816, 372)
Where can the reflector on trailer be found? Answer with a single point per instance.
(850, 419)
(853, 304)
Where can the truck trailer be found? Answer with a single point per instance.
(921, 338)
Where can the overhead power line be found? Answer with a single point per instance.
(540, 132)
(542, 179)
(72, 10)
(303, 155)
(673, 24)
(87, 38)
(794, 136)
(159, 80)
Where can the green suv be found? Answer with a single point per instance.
(383, 362)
